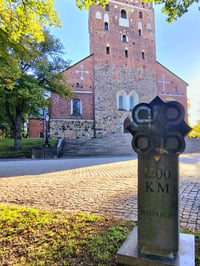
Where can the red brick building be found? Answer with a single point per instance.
(120, 72)
(171, 87)
(36, 128)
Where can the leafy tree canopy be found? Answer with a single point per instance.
(172, 8)
(26, 19)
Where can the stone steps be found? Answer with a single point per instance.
(116, 144)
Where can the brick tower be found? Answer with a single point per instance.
(122, 41)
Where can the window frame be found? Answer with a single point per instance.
(106, 26)
(123, 14)
(107, 7)
(73, 111)
(107, 50)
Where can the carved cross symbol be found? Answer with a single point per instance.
(82, 72)
(163, 81)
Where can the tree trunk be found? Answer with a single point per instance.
(17, 130)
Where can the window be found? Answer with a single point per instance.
(139, 33)
(107, 8)
(98, 15)
(106, 26)
(124, 38)
(77, 85)
(107, 50)
(131, 103)
(133, 100)
(143, 56)
(126, 53)
(76, 107)
(140, 15)
(121, 101)
(123, 14)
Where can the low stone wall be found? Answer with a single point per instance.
(71, 129)
(192, 146)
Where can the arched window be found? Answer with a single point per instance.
(126, 52)
(139, 28)
(123, 14)
(107, 49)
(105, 25)
(121, 102)
(124, 38)
(143, 55)
(133, 100)
(131, 103)
(140, 14)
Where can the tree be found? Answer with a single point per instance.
(172, 8)
(38, 70)
(195, 133)
(21, 23)
(26, 18)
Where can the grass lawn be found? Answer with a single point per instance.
(32, 237)
(7, 147)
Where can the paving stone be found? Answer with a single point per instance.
(101, 186)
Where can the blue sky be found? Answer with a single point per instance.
(177, 44)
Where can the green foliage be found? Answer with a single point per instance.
(22, 19)
(38, 70)
(195, 133)
(22, 22)
(172, 8)
(32, 237)
(87, 3)
(7, 150)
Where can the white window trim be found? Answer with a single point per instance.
(135, 99)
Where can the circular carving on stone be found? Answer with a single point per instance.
(142, 114)
(174, 113)
(141, 143)
(174, 143)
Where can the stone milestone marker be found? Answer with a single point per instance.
(158, 131)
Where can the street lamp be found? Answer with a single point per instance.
(46, 137)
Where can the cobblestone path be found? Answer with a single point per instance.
(101, 189)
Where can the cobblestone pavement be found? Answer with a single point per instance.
(101, 186)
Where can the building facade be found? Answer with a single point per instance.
(120, 72)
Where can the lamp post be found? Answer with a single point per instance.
(46, 137)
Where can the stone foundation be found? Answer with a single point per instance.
(71, 129)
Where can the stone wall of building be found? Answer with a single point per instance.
(71, 129)
(108, 82)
